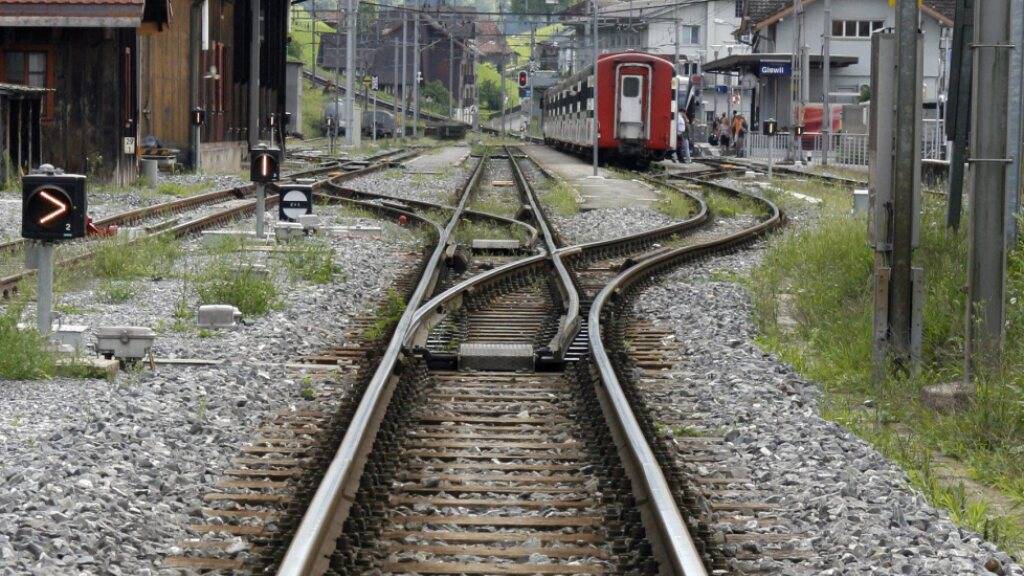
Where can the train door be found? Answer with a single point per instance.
(631, 107)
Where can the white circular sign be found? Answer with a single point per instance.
(295, 204)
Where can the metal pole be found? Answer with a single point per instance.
(1015, 120)
(795, 79)
(771, 154)
(405, 58)
(375, 118)
(261, 208)
(594, 90)
(350, 72)
(451, 64)
(44, 290)
(254, 73)
(826, 72)
(958, 122)
(989, 163)
(532, 67)
(195, 22)
(416, 74)
(675, 24)
(906, 177)
(501, 73)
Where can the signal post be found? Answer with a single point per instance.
(264, 168)
(54, 207)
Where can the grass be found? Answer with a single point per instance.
(181, 190)
(149, 257)
(242, 286)
(723, 205)
(25, 353)
(388, 315)
(824, 272)
(116, 291)
(469, 230)
(562, 198)
(674, 205)
(310, 261)
(312, 106)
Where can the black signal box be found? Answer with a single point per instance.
(798, 130)
(53, 206)
(294, 200)
(265, 164)
(198, 116)
(770, 127)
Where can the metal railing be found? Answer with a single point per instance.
(845, 149)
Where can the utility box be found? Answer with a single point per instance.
(126, 343)
(218, 316)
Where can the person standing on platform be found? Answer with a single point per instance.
(682, 138)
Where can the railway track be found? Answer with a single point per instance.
(492, 434)
(237, 206)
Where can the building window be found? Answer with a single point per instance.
(856, 28)
(31, 67)
(690, 34)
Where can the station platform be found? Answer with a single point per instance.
(436, 161)
(610, 191)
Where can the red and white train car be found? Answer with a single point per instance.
(637, 106)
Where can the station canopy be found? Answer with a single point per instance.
(752, 63)
(83, 13)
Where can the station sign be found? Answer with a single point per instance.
(775, 69)
(53, 205)
(265, 164)
(294, 200)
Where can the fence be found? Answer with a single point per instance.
(845, 149)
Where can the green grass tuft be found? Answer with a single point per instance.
(241, 286)
(388, 315)
(149, 257)
(562, 198)
(675, 205)
(25, 355)
(311, 261)
(117, 291)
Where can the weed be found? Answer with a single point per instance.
(119, 259)
(674, 205)
(308, 391)
(244, 287)
(26, 354)
(206, 333)
(469, 230)
(201, 409)
(562, 198)
(727, 206)
(388, 315)
(223, 245)
(312, 262)
(116, 291)
(181, 190)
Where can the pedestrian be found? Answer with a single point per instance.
(741, 136)
(735, 126)
(682, 138)
(724, 132)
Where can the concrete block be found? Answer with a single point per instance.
(489, 244)
(89, 368)
(288, 231)
(72, 335)
(211, 236)
(951, 397)
(218, 316)
(496, 356)
(125, 342)
(861, 202)
(358, 231)
(309, 222)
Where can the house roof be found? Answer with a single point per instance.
(759, 14)
(77, 13)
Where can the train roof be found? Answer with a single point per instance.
(613, 57)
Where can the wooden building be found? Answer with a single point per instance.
(119, 70)
(21, 110)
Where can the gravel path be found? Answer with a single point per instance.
(102, 478)
(596, 225)
(860, 513)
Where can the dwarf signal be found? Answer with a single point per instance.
(295, 200)
(524, 79)
(53, 205)
(265, 164)
(770, 127)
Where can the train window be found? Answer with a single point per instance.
(630, 86)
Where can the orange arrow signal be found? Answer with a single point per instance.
(60, 207)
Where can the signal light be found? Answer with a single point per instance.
(265, 164)
(198, 116)
(53, 205)
(523, 79)
(798, 130)
(770, 127)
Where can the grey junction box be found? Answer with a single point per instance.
(125, 342)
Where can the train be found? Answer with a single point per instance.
(638, 98)
(385, 121)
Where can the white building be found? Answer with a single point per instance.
(769, 26)
(703, 28)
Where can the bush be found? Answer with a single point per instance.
(149, 257)
(116, 291)
(245, 288)
(25, 355)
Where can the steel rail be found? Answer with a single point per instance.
(657, 500)
(471, 214)
(314, 540)
(569, 324)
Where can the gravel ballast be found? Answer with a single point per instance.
(103, 478)
(856, 510)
